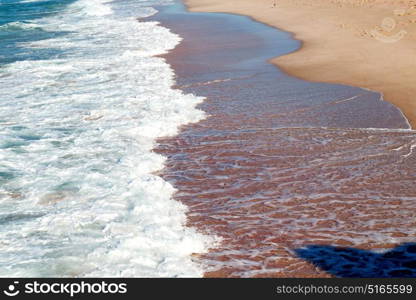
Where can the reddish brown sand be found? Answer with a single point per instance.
(267, 201)
(277, 169)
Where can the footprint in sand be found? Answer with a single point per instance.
(383, 33)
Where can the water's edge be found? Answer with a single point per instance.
(281, 164)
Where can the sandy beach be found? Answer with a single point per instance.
(297, 178)
(364, 43)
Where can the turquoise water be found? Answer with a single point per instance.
(16, 27)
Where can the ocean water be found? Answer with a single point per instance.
(82, 100)
(300, 179)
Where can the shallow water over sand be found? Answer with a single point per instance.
(284, 170)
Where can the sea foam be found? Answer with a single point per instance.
(78, 194)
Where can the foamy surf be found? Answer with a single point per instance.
(78, 194)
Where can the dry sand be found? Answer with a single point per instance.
(364, 43)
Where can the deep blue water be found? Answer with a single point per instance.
(17, 28)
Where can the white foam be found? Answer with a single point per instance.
(381, 98)
(17, 25)
(82, 200)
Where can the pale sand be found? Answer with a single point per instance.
(364, 43)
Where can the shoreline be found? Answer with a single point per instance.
(331, 54)
(274, 171)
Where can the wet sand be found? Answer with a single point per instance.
(364, 43)
(287, 172)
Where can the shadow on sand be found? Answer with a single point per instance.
(351, 262)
